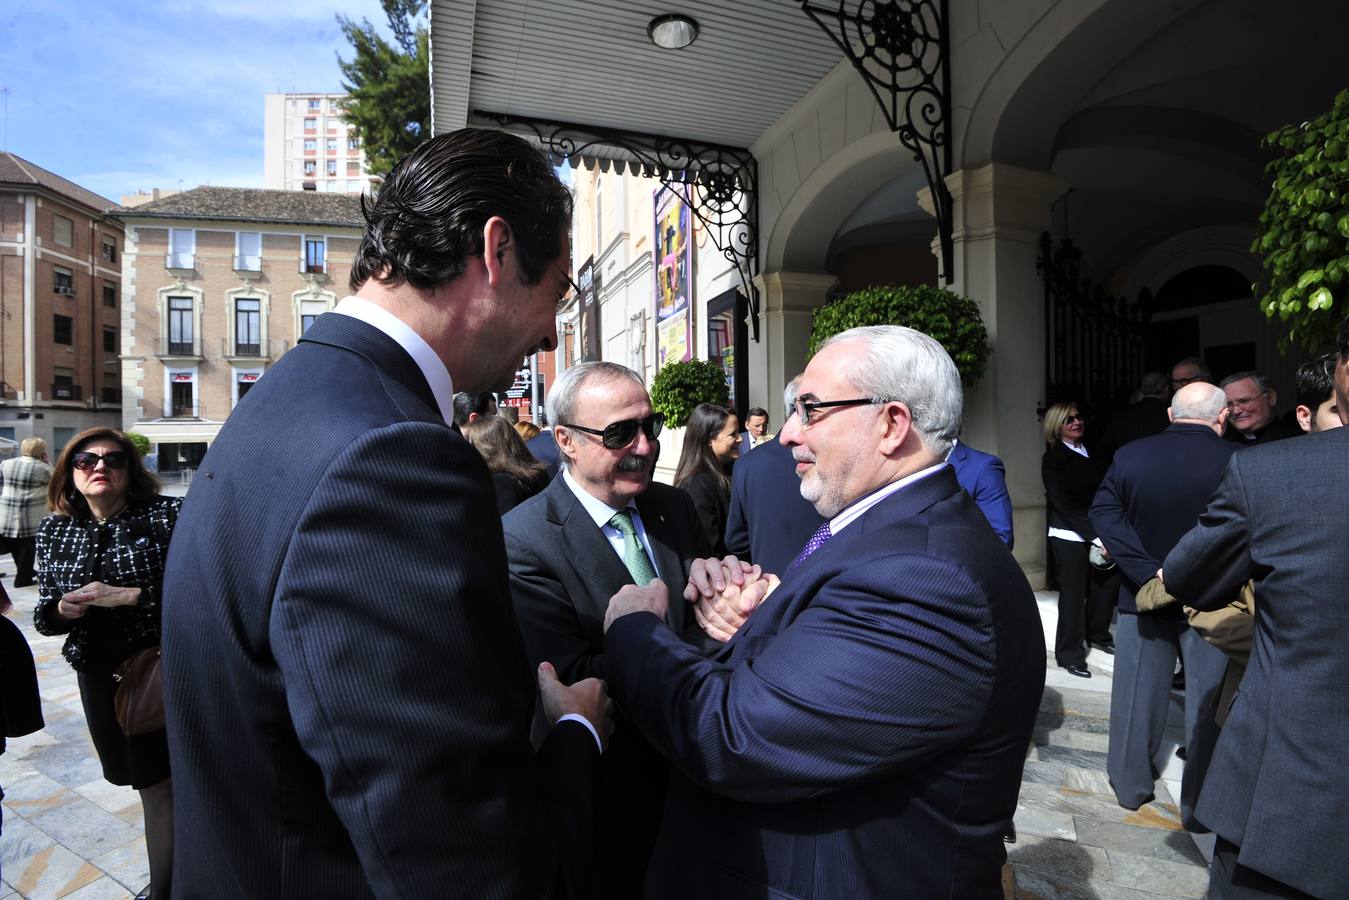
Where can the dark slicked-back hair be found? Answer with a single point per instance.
(426, 222)
(1316, 381)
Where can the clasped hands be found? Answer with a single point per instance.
(723, 593)
(74, 604)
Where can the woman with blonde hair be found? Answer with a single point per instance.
(23, 503)
(1086, 596)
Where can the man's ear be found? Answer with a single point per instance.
(1304, 417)
(497, 247)
(1273, 397)
(563, 437)
(1170, 416)
(898, 423)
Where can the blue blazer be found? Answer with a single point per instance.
(1151, 495)
(984, 478)
(863, 735)
(769, 521)
(348, 697)
(543, 447)
(1277, 784)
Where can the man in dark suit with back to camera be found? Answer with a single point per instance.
(769, 521)
(348, 697)
(603, 523)
(863, 733)
(1276, 789)
(1152, 494)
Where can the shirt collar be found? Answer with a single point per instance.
(596, 508)
(854, 512)
(431, 365)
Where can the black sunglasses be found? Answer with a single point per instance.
(1071, 419)
(85, 461)
(617, 435)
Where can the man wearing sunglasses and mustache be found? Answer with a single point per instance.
(601, 524)
(349, 701)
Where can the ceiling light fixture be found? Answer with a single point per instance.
(673, 32)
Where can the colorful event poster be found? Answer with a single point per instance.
(673, 249)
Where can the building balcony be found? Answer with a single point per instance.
(316, 268)
(187, 411)
(170, 350)
(258, 351)
(181, 263)
(73, 393)
(247, 264)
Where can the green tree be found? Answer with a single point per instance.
(1304, 230)
(388, 85)
(950, 319)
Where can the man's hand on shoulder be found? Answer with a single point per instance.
(587, 698)
(724, 592)
(653, 598)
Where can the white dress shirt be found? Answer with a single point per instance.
(854, 511)
(602, 512)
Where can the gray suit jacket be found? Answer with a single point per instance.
(1277, 784)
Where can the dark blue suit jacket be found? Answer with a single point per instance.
(1277, 784)
(863, 735)
(769, 521)
(348, 698)
(1151, 495)
(984, 478)
(543, 446)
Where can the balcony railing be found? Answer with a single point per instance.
(8, 391)
(187, 410)
(256, 349)
(178, 348)
(312, 266)
(67, 392)
(184, 261)
(247, 262)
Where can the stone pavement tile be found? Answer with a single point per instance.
(1093, 781)
(36, 792)
(1147, 873)
(1097, 806)
(84, 827)
(1173, 846)
(1044, 822)
(133, 815)
(103, 889)
(1059, 857)
(1077, 740)
(51, 873)
(1081, 759)
(1036, 885)
(128, 864)
(21, 839)
(6, 891)
(68, 763)
(1043, 772)
(1057, 678)
(18, 748)
(112, 797)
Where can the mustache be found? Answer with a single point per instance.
(634, 462)
(803, 455)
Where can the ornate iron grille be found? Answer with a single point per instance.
(1095, 348)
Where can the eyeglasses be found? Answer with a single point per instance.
(617, 435)
(805, 409)
(85, 461)
(1245, 402)
(573, 290)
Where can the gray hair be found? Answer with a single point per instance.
(562, 398)
(1261, 382)
(902, 364)
(1198, 404)
(789, 397)
(1201, 370)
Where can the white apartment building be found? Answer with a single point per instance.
(308, 146)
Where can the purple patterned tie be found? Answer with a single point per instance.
(816, 541)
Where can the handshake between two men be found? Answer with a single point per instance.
(721, 592)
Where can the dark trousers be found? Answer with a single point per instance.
(1146, 647)
(1086, 602)
(1230, 880)
(23, 550)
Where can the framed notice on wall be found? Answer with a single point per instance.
(673, 250)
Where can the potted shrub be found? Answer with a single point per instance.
(680, 386)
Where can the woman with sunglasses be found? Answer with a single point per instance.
(1086, 596)
(100, 571)
(711, 446)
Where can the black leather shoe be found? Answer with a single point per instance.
(144, 894)
(1105, 647)
(1180, 753)
(1009, 836)
(1079, 670)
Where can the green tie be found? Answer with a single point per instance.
(634, 554)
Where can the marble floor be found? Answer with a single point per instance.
(69, 834)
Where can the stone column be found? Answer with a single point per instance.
(999, 213)
(788, 300)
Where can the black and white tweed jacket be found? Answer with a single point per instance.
(131, 547)
(23, 499)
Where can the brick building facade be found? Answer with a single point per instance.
(218, 284)
(60, 306)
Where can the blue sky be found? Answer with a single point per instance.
(120, 95)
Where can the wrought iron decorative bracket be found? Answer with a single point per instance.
(719, 183)
(901, 48)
